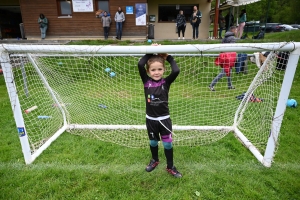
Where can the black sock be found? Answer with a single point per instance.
(169, 157)
(154, 152)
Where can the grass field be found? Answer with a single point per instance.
(75, 167)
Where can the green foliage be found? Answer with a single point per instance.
(276, 10)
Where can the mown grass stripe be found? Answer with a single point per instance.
(205, 167)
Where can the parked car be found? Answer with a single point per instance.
(272, 27)
(295, 26)
(288, 27)
(251, 26)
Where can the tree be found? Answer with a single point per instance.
(287, 11)
(295, 14)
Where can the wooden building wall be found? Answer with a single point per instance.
(81, 23)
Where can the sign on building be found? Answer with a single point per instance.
(83, 6)
(140, 14)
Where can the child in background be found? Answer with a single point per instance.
(106, 21)
(158, 122)
(181, 24)
(226, 61)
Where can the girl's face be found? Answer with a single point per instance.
(156, 71)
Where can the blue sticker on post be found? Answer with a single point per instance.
(21, 131)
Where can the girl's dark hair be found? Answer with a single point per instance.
(42, 15)
(242, 12)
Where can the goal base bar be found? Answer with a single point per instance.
(46, 144)
(143, 127)
(251, 148)
(237, 132)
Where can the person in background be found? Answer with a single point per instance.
(226, 61)
(119, 19)
(181, 24)
(106, 21)
(241, 60)
(43, 24)
(230, 35)
(221, 24)
(195, 21)
(229, 21)
(242, 22)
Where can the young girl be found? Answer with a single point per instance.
(158, 120)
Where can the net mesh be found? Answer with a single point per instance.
(93, 89)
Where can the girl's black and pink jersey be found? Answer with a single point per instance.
(157, 92)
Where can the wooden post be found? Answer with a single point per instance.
(216, 20)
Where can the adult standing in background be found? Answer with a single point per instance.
(119, 19)
(106, 21)
(229, 21)
(43, 24)
(181, 24)
(242, 22)
(195, 21)
(221, 24)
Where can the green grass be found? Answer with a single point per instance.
(269, 37)
(75, 167)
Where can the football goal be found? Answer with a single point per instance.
(97, 92)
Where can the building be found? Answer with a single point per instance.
(77, 18)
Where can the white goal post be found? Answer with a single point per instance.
(96, 91)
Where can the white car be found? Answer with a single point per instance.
(288, 27)
(295, 26)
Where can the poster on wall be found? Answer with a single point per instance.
(129, 10)
(83, 6)
(140, 14)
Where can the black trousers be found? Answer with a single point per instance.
(106, 30)
(182, 29)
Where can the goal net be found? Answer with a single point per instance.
(96, 92)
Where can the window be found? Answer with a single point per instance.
(64, 7)
(103, 5)
(168, 13)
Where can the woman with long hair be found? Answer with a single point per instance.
(242, 22)
(43, 24)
